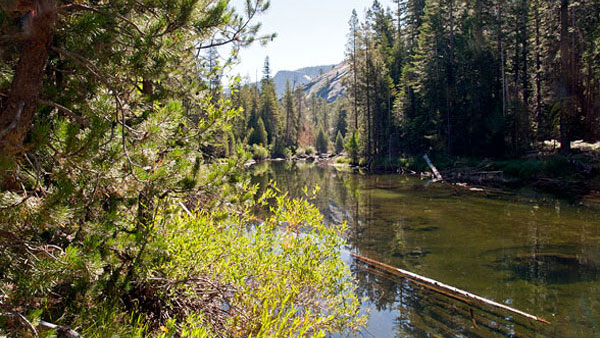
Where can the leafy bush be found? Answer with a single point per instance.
(288, 153)
(343, 160)
(300, 152)
(404, 162)
(522, 169)
(309, 151)
(287, 283)
(259, 153)
(558, 165)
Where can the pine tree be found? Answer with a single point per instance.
(339, 143)
(290, 134)
(352, 55)
(341, 126)
(352, 146)
(269, 106)
(322, 141)
(259, 135)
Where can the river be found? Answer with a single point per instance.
(534, 253)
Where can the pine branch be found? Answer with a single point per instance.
(80, 120)
(97, 11)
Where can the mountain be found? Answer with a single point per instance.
(329, 85)
(326, 82)
(298, 77)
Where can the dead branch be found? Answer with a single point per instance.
(82, 122)
(62, 331)
(25, 322)
(15, 122)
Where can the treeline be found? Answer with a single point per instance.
(288, 126)
(473, 77)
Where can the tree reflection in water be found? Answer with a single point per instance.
(535, 254)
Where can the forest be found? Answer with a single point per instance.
(477, 78)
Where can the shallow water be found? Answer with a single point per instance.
(536, 254)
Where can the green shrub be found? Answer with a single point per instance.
(522, 169)
(309, 151)
(405, 162)
(288, 153)
(260, 153)
(275, 282)
(271, 269)
(558, 166)
(343, 160)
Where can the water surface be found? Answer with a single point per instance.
(536, 254)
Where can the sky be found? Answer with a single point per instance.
(309, 33)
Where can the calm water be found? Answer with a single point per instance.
(538, 255)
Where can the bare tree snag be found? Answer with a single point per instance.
(21, 105)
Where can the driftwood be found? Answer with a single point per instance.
(436, 173)
(62, 331)
(444, 289)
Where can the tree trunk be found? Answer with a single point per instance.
(538, 69)
(565, 88)
(355, 79)
(21, 105)
(368, 78)
(524, 55)
(501, 55)
(451, 80)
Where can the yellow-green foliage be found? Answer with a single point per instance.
(288, 272)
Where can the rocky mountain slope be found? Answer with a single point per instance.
(330, 85)
(299, 77)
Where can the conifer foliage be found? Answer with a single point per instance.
(473, 77)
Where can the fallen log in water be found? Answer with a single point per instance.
(444, 289)
(484, 320)
(436, 173)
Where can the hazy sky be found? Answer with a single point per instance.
(309, 33)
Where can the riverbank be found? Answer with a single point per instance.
(575, 177)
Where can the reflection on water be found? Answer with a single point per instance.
(542, 257)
